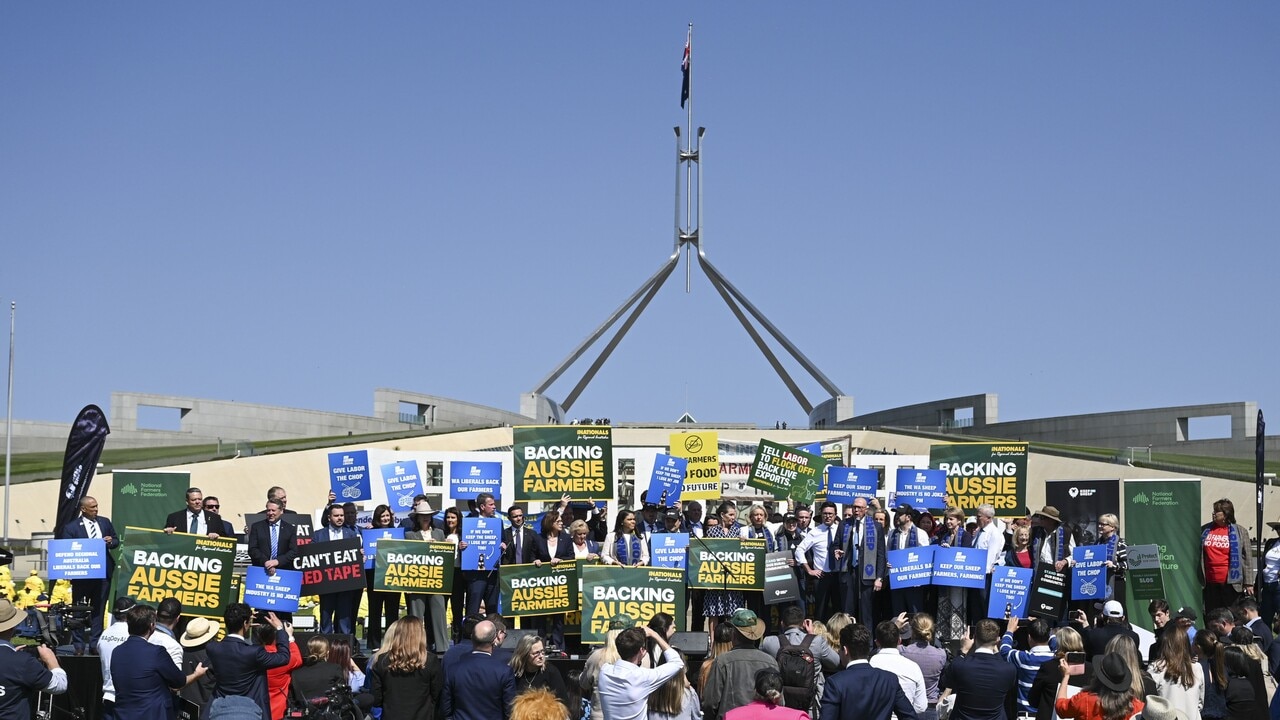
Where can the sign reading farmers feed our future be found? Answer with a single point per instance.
(992, 474)
(786, 472)
(726, 564)
(639, 592)
(195, 569)
(702, 473)
(554, 460)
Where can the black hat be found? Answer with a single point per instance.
(648, 506)
(905, 509)
(1113, 672)
(790, 517)
(124, 604)
(1187, 613)
(671, 514)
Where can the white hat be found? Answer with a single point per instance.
(422, 507)
(1113, 609)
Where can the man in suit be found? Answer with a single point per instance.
(827, 561)
(483, 584)
(480, 687)
(241, 667)
(194, 518)
(273, 542)
(864, 546)
(337, 612)
(214, 505)
(861, 691)
(985, 686)
(519, 542)
(143, 674)
(91, 526)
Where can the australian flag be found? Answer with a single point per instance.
(684, 70)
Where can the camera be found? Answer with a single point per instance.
(55, 626)
(338, 703)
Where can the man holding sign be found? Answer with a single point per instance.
(90, 526)
(906, 535)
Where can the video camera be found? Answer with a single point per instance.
(54, 627)
(338, 703)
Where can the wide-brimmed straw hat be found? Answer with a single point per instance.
(199, 631)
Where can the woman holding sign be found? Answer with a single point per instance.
(952, 611)
(384, 607)
(1117, 555)
(624, 546)
(720, 603)
(428, 607)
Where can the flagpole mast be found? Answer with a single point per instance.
(688, 174)
(8, 426)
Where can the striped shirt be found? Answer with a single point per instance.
(1028, 663)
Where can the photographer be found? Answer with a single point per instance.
(22, 676)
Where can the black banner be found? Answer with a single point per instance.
(331, 566)
(84, 447)
(780, 584)
(1081, 502)
(1048, 593)
(1260, 467)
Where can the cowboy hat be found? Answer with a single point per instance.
(422, 507)
(10, 616)
(1050, 512)
(199, 631)
(746, 622)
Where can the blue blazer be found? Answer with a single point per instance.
(75, 529)
(564, 548)
(142, 674)
(480, 687)
(322, 535)
(861, 692)
(986, 687)
(241, 668)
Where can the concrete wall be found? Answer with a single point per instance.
(938, 413)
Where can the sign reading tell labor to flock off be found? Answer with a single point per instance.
(414, 566)
(726, 564)
(554, 460)
(639, 592)
(544, 589)
(702, 473)
(667, 480)
(194, 569)
(469, 479)
(992, 474)
(403, 483)
(349, 475)
(786, 472)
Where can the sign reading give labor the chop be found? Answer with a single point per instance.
(555, 460)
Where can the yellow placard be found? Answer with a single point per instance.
(702, 477)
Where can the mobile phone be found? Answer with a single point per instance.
(1075, 663)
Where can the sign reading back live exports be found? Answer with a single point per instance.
(553, 460)
(984, 474)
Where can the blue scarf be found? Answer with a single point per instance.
(913, 538)
(632, 557)
(1235, 574)
(770, 545)
(1060, 551)
(869, 548)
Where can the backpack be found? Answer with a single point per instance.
(799, 672)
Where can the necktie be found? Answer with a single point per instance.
(519, 534)
(194, 525)
(831, 548)
(275, 540)
(93, 529)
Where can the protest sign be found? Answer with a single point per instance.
(1010, 588)
(1146, 581)
(330, 566)
(277, 592)
(639, 592)
(1151, 509)
(1048, 593)
(921, 489)
(669, 550)
(538, 590)
(195, 569)
(145, 499)
(910, 567)
(726, 564)
(984, 473)
(468, 479)
(702, 473)
(1089, 573)
(786, 472)
(482, 536)
(371, 537)
(78, 559)
(960, 567)
(349, 475)
(402, 482)
(780, 584)
(554, 460)
(667, 480)
(846, 484)
(422, 567)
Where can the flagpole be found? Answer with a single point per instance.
(688, 173)
(8, 426)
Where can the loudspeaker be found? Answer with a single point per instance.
(513, 637)
(692, 644)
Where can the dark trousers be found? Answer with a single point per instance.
(860, 599)
(976, 605)
(384, 609)
(908, 600)
(828, 595)
(696, 604)
(336, 613)
(1269, 601)
(95, 593)
(481, 585)
(1219, 595)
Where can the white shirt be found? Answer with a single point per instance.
(910, 677)
(922, 539)
(201, 527)
(112, 638)
(160, 638)
(817, 540)
(625, 687)
(991, 539)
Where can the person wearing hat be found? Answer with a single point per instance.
(1050, 541)
(650, 523)
(194, 641)
(430, 608)
(1226, 567)
(113, 637)
(731, 682)
(337, 613)
(903, 536)
(672, 522)
(1111, 688)
(22, 675)
(1111, 623)
(1158, 708)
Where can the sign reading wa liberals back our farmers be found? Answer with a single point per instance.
(468, 479)
(554, 460)
(984, 474)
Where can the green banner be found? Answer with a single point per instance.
(992, 474)
(726, 564)
(639, 592)
(420, 567)
(553, 460)
(1146, 580)
(539, 589)
(145, 499)
(785, 472)
(1152, 508)
(153, 565)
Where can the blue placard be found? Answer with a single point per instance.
(78, 559)
(403, 483)
(1089, 574)
(922, 489)
(371, 538)
(669, 550)
(468, 479)
(910, 567)
(349, 476)
(847, 484)
(279, 591)
(1010, 586)
(482, 536)
(667, 480)
(960, 567)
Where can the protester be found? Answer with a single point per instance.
(1226, 567)
(1020, 554)
(554, 546)
(1109, 697)
(532, 671)
(757, 529)
(384, 606)
(989, 539)
(336, 611)
(860, 691)
(1117, 555)
(952, 614)
(624, 546)
(720, 603)
(867, 568)
(821, 557)
(451, 530)
(767, 704)
(482, 585)
(732, 676)
(519, 542)
(214, 505)
(431, 608)
(408, 681)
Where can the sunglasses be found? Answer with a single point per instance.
(212, 507)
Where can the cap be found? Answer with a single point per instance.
(746, 622)
(648, 506)
(621, 621)
(790, 517)
(671, 514)
(1113, 609)
(1185, 614)
(123, 604)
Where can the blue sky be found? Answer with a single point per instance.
(1073, 205)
